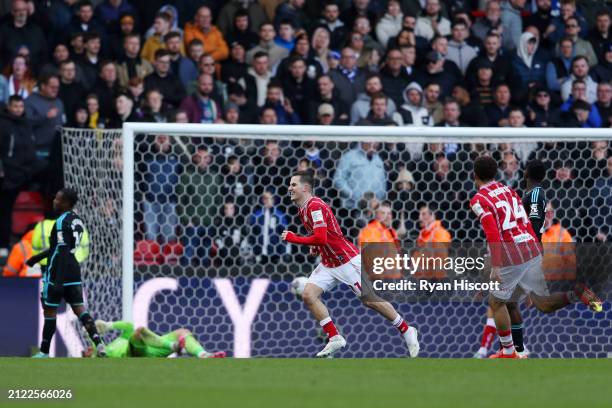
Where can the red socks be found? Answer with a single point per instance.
(329, 327)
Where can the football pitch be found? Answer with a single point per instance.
(270, 383)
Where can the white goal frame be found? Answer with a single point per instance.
(336, 133)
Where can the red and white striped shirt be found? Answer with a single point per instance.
(315, 213)
(509, 233)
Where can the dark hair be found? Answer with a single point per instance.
(535, 171)
(194, 42)
(84, 3)
(242, 12)
(46, 77)
(15, 98)
(275, 83)
(501, 85)
(171, 35)
(578, 58)
(371, 75)
(295, 58)
(458, 21)
(104, 63)
(265, 23)
(70, 196)
(581, 105)
(260, 54)
(286, 21)
(132, 35)
(90, 35)
(306, 177)
(376, 96)
(485, 168)
(161, 53)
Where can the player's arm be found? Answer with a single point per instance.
(489, 227)
(537, 213)
(38, 257)
(126, 328)
(319, 225)
(318, 237)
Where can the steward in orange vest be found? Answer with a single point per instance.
(433, 242)
(380, 231)
(20, 253)
(559, 259)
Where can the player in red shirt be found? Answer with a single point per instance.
(515, 254)
(341, 262)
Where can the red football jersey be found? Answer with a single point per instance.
(315, 213)
(513, 231)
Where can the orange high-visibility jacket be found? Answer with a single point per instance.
(433, 243)
(559, 259)
(377, 232)
(21, 251)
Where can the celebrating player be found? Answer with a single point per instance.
(143, 342)
(515, 254)
(62, 280)
(534, 202)
(341, 262)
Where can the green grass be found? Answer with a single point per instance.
(346, 383)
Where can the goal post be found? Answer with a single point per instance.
(216, 296)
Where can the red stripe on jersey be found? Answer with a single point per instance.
(338, 249)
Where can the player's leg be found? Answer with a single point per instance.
(508, 279)
(559, 300)
(322, 280)
(51, 297)
(488, 334)
(350, 274)
(516, 326)
(502, 322)
(387, 310)
(50, 315)
(534, 283)
(312, 299)
(75, 297)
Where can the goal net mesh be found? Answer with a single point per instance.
(207, 208)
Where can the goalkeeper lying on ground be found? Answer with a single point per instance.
(143, 342)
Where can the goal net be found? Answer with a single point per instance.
(185, 224)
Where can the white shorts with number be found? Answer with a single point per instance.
(349, 273)
(519, 280)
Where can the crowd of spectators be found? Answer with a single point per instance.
(97, 64)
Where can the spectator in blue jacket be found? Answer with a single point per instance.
(559, 68)
(359, 171)
(579, 92)
(285, 113)
(267, 224)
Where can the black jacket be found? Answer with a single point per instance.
(17, 150)
(30, 35)
(170, 86)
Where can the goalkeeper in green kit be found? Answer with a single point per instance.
(143, 342)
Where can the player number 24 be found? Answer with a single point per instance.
(516, 211)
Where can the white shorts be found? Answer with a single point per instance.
(327, 278)
(519, 280)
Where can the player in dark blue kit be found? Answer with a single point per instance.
(62, 280)
(534, 201)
